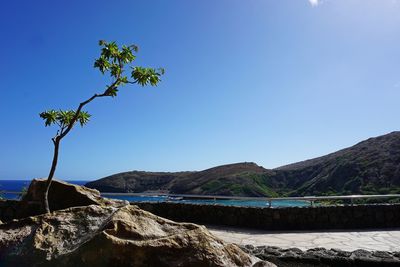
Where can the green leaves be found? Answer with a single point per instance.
(83, 118)
(127, 54)
(68, 116)
(110, 50)
(63, 118)
(115, 70)
(145, 76)
(102, 64)
(114, 59)
(112, 91)
(49, 117)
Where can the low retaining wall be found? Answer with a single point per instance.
(294, 218)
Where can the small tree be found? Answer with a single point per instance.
(113, 60)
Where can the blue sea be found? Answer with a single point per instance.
(19, 185)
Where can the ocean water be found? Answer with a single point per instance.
(18, 185)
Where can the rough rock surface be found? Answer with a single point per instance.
(62, 195)
(322, 257)
(113, 236)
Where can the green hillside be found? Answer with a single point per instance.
(369, 167)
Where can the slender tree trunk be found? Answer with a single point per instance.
(56, 142)
(51, 174)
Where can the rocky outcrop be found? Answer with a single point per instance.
(321, 257)
(111, 236)
(62, 195)
(85, 229)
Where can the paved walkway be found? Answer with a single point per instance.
(388, 240)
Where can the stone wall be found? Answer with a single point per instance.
(294, 218)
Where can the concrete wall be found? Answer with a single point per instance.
(295, 218)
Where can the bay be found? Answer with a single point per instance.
(19, 185)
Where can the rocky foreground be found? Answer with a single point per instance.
(87, 230)
(98, 232)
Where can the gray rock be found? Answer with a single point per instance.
(104, 236)
(382, 254)
(62, 195)
(361, 254)
(341, 253)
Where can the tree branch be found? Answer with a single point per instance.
(81, 105)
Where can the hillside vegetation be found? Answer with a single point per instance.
(369, 167)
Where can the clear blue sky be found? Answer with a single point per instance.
(269, 81)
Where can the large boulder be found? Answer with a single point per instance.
(62, 195)
(110, 236)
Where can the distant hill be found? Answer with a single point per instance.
(369, 167)
(233, 179)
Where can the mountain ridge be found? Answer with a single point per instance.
(370, 166)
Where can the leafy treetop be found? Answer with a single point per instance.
(113, 60)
